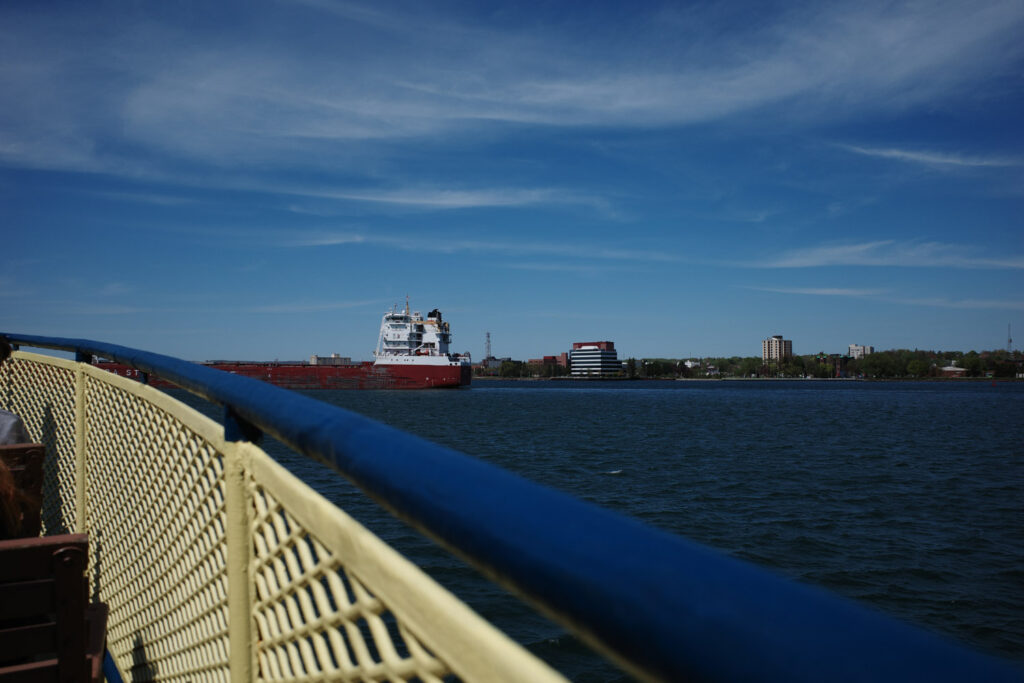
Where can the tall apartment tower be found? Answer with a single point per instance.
(776, 349)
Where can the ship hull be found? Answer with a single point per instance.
(304, 376)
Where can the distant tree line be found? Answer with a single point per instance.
(893, 364)
(904, 363)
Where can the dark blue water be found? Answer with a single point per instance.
(907, 496)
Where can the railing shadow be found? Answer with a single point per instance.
(142, 669)
(52, 507)
(96, 536)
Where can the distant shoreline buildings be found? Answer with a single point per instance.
(585, 359)
(599, 360)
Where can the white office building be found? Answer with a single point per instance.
(594, 359)
(860, 351)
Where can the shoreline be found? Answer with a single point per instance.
(487, 378)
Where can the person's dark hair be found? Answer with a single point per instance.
(10, 508)
(5, 350)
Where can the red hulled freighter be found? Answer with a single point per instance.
(412, 353)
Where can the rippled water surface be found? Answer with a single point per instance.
(908, 496)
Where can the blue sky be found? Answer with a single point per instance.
(265, 179)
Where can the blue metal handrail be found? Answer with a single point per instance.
(661, 606)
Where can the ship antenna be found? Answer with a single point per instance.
(407, 304)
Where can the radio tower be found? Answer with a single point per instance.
(487, 347)
(1009, 339)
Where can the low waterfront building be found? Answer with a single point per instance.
(594, 359)
(857, 351)
(953, 371)
(776, 349)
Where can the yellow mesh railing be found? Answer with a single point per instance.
(43, 394)
(217, 563)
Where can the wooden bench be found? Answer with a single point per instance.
(25, 461)
(48, 632)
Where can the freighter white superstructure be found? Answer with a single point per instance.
(408, 339)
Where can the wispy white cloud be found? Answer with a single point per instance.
(752, 216)
(820, 291)
(114, 289)
(845, 206)
(251, 267)
(885, 296)
(155, 198)
(232, 98)
(943, 302)
(311, 307)
(934, 159)
(579, 268)
(10, 288)
(86, 309)
(443, 198)
(484, 246)
(323, 240)
(832, 255)
(90, 309)
(823, 55)
(891, 253)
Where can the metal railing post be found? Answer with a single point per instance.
(80, 448)
(239, 564)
